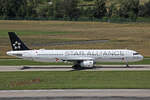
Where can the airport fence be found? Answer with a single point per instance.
(104, 19)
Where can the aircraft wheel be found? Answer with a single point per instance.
(77, 67)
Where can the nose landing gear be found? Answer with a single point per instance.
(127, 65)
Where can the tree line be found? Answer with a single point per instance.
(72, 9)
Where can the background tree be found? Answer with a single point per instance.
(112, 9)
(58, 8)
(144, 10)
(31, 8)
(100, 8)
(129, 9)
(71, 9)
(89, 13)
(12, 8)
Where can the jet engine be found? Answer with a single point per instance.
(88, 64)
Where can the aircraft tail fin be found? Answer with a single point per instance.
(16, 43)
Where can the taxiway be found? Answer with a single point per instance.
(69, 68)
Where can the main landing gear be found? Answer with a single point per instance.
(77, 67)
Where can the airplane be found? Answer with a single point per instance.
(80, 58)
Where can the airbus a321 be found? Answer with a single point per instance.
(80, 58)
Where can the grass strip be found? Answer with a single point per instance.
(75, 80)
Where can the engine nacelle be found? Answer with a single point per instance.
(88, 64)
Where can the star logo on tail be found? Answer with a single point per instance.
(17, 45)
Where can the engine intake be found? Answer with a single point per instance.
(88, 64)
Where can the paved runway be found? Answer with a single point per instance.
(74, 94)
(77, 93)
(69, 68)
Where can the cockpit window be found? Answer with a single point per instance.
(136, 53)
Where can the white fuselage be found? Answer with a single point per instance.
(78, 55)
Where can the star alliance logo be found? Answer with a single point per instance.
(17, 45)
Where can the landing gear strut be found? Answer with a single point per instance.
(127, 65)
(77, 67)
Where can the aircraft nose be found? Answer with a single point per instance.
(141, 57)
(8, 53)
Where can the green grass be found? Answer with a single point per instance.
(40, 34)
(18, 62)
(75, 80)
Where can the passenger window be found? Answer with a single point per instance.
(17, 55)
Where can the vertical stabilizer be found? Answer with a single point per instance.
(16, 43)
